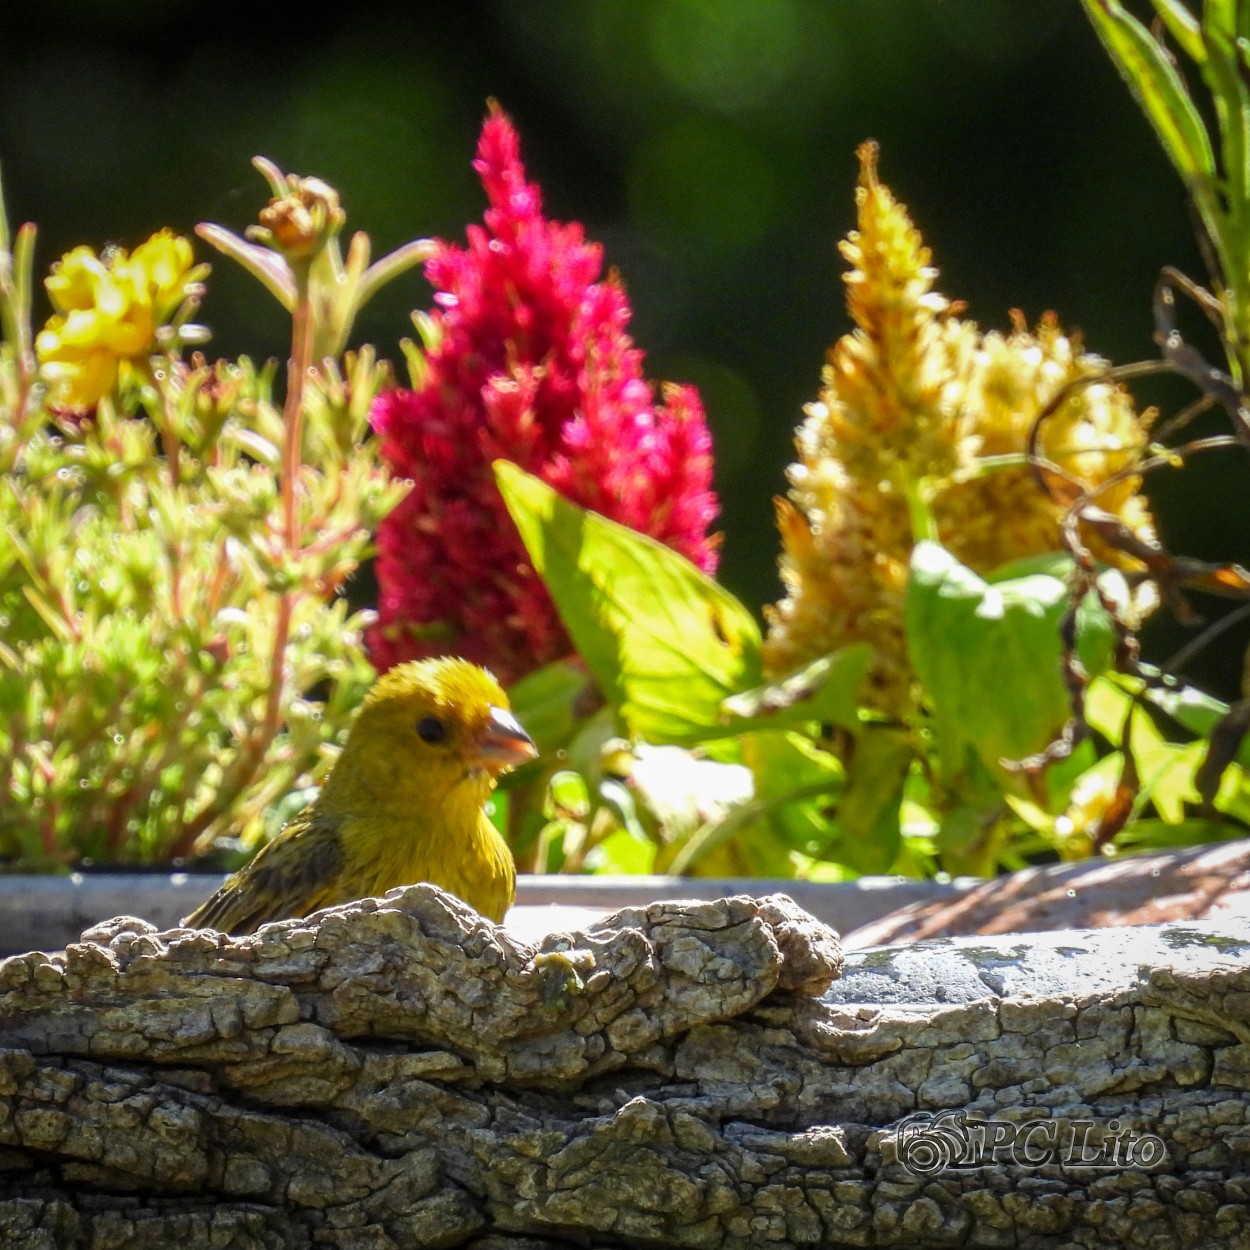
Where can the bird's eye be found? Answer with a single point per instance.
(431, 729)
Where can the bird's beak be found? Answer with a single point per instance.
(503, 744)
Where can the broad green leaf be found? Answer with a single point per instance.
(622, 854)
(1050, 563)
(823, 691)
(665, 643)
(786, 764)
(1188, 706)
(682, 792)
(989, 656)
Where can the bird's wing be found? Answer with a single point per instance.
(293, 875)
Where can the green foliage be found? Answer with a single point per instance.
(989, 656)
(794, 777)
(665, 643)
(177, 663)
(174, 654)
(1218, 43)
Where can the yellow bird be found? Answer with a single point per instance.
(403, 804)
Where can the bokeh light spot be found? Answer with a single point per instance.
(703, 183)
(732, 55)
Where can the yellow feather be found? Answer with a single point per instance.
(404, 804)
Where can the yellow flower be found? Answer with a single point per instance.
(78, 367)
(892, 420)
(158, 272)
(108, 310)
(913, 403)
(994, 517)
(74, 280)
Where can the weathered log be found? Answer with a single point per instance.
(401, 1073)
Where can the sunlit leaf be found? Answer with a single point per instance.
(1166, 769)
(822, 691)
(790, 770)
(683, 792)
(1186, 705)
(620, 853)
(1226, 739)
(1153, 79)
(988, 655)
(665, 643)
(1183, 27)
(786, 765)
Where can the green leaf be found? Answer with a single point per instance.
(790, 770)
(617, 798)
(1147, 68)
(1188, 706)
(1153, 79)
(989, 656)
(788, 764)
(1158, 834)
(1220, 17)
(1232, 105)
(622, 854)
(1166, 769)
(823, 691)
(682, 791)
(869, 817)
(1183, 27)
(665, 643)
(552, 702)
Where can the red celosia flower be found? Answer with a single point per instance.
(527, 358)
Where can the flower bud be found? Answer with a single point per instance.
(301, 222)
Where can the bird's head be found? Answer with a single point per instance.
(428, 726)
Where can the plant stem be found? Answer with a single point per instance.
(923, 524)
(292, 423)
(254, 750)
(170, 444)
(293, 410)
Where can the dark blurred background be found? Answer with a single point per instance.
(709, 144)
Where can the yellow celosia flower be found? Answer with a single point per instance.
(109, 309)
(914, 401)
(998, 516)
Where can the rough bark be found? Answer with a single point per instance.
(401, 1073)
